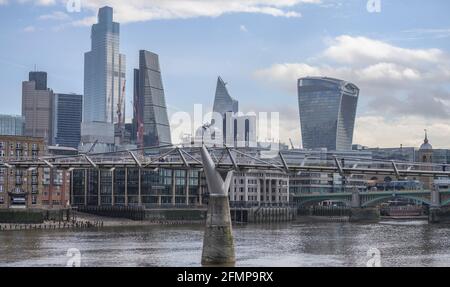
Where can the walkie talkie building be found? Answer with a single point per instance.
(327, 112)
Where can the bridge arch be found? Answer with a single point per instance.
(381, 199)
(311, 201)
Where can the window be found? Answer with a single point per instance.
(2, 200)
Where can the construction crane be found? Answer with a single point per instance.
(292, 144)
(92, 147)
(119, 104)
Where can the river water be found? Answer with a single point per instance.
(407, 243)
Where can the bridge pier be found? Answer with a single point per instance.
(437, 214)
(364, 215)
(359, 214)
(218, 242)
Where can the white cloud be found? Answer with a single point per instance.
(361, 50)
(405, 89)
(144, 10)
(377, 131)
(56, 15)
(39, 2)
(29, 29)
(243, 28)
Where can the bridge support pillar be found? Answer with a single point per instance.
(359, 214)
(436, 214)
(364, 215)
(218, 242)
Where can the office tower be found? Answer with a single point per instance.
(11, 125)
(223, 102)
(67, 115)
(150, 111)
(37, 101)
(327, 112)
(237, 129)
(104, 78)
(40, 78)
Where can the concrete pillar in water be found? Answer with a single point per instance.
(358, 214)
(435, 214)
(218, 242)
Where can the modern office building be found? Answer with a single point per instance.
(37, 107)
(327, 112)
(223, 102)
(11, 125)
(104, 76)
(150, 110)
(67, 116)
(228, 125)
(40, 78)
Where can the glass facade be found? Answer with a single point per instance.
(150, 111)
(327, 112)
(104, 72)
(11, 125)
(223, 102)
(134, 187)
(67, 119)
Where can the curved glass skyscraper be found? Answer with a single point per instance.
(327, 112)
(223, 102)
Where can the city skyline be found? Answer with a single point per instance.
(402, 113)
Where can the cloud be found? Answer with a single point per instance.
(56, 15)
(361, 50)
(428, 33)
(38, 2)
(243, 28)
(145, 10)
(29, 29)
(397, 84)
(377, 131)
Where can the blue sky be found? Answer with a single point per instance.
(399, 57)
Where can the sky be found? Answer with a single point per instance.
(396, 51)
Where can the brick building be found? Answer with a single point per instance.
(34, 187)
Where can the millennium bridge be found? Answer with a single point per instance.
(228, 159)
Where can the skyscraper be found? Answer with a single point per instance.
(104, 76)
(237, 129)
(223, 102)
(67, 117)
(327, 112)
(150, 111)
(37, 106)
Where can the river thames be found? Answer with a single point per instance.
(401, 243)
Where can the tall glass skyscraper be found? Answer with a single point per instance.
(327, 112)
(104, 72)
(223, 102)
(150, 110)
